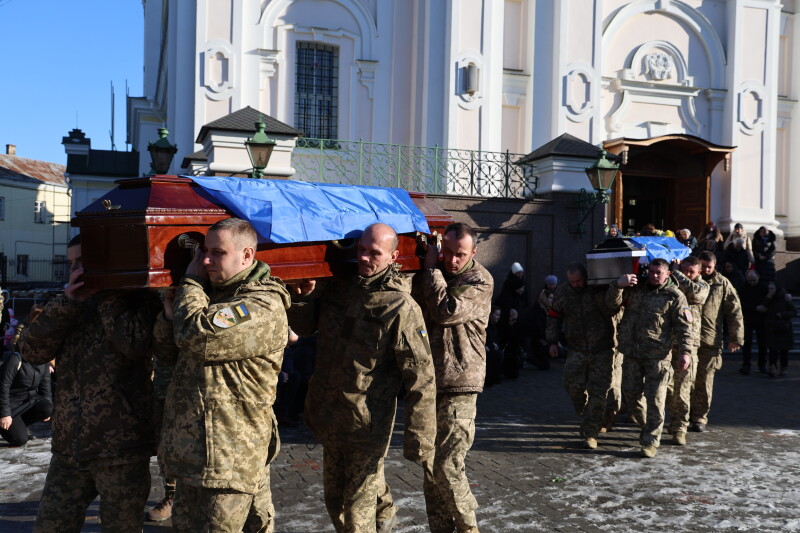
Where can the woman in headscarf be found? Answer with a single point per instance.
(764, 252)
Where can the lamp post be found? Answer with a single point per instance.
(601, 176)
(161, 153)
(259, 149)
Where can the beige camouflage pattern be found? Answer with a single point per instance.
(654, 320)
(352, 480)
(219, 429)
(722, 304)
(103, 402)
(679, 392)
(456, 310)
(648, 378)
(583, 322)
(371, 341)
(222, 511)
(448, 498)
(588, 379)
(122, 483)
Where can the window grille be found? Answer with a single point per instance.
(316, 103)
(39, 209)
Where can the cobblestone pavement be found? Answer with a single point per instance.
(530, 474)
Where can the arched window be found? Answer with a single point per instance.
(316, 104)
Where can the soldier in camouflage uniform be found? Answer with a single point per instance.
(102, 429)
(656, 318)
(679, 393)
(584, 322)
(371, 340)
(455, 296)
(220, 434)
(722, 304)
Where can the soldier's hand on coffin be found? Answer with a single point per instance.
(169, 301)
(74, 289)
(304, 287)
(196, 267)
(627, 280)
(683, 362)
(432, 256)
(732, 346)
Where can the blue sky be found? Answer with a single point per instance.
(59, 58)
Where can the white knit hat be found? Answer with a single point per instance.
(516, 267)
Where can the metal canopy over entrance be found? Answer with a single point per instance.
(665, 181)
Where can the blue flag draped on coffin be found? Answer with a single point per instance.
(667, 248)
(284, 211)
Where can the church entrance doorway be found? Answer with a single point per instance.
(665, 181)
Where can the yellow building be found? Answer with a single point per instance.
(35, 207)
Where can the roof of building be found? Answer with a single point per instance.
(564, 145)
(31, 171)
(244, 120)
(110, 163)
(194, 156)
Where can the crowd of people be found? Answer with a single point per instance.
(193, 377)
(205, 375)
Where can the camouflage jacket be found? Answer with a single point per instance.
(219, 429)
(103, 401)
(722, 304)
(655, 319)
(371, 340)
(581, 319)
(456, 310)
(696, 293)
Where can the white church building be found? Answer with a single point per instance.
(699, 98)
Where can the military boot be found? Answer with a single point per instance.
(649, 451)
(590, 443)
(679, 438)
(162, 511)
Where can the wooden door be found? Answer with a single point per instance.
(691, 197)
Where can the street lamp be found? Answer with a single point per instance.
(601, 176)
(259, 148)
(161, 153)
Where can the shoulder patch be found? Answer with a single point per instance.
(227, 317)
(688, 314)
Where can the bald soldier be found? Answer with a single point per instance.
(371, 340)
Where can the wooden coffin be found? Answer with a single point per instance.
(142, 234)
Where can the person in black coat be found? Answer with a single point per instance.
(24, 397)
(764, 253)
(778, 311)
(751, 296)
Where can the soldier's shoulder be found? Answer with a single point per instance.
(477, 275)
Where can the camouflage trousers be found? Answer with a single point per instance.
(709, 360)
(648, 378)
(356, 493)
(588, 378)
(122, 483)
(679, 395)
(201, 509)
(448, 499)
(614, 399)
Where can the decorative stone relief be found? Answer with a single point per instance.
(269, 62)
(218, 70)
(658, 65)
(751, 107)
(469, 100)
(578, 88)
(366, 75)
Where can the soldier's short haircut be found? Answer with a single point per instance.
(691, 261)
(395, 239)
(705, 255)
(658, 262)
(577, 268)
(242, 231)
(75, 241)
(461, 230)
